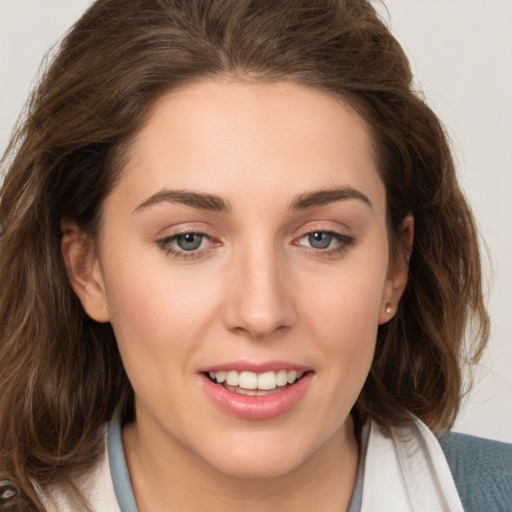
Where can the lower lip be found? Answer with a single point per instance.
(258, 407)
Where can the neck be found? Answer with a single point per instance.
(322, 482)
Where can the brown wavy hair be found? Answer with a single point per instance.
(61, 377)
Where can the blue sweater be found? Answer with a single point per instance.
(482, 470)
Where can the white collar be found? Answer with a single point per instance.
(406, 471)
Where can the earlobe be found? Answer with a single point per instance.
(84, 271)
(398, 272)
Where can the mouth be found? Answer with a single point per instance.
(255, 384)
(257, 395)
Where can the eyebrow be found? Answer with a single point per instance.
(321, 197)
(195, 199)
(215, 203)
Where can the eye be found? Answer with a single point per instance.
(189, 241)
(326, 243)
(319, 239)
(185, 245)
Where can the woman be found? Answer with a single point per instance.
(237, 270)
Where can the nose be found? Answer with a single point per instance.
(259, 302)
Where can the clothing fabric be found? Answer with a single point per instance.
(407, 470)
(119, 470)
(482, 470)
(96, 487)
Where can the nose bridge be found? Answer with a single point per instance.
(260, 303)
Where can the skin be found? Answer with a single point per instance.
(256, 290)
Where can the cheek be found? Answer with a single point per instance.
(347, 301)
(157, 316)
(343, 317)
(158, 323)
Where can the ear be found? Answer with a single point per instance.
(398, 272)
(84, 271)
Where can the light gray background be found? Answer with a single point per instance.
(461, 52)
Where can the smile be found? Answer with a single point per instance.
(258, 384)
(257, 395)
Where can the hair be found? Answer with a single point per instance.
(61, 376)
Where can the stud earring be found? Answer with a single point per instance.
(388, 308)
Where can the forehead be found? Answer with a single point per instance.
(236, 138)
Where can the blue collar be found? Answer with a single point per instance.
(119, 469)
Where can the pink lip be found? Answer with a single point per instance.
(248, 366)
(257, 407)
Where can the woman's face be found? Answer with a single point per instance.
(246, 240)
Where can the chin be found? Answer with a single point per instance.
(256, 468)
(255, 458)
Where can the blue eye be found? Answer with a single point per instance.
(320, 240)
(189, 241)
(185, 245)
(326, 243)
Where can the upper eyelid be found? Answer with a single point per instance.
(323, 230)
(210, 236)
(207, 233)
(316, 228)
(341, 237)
(185, 232)
(219, 233)
(171, 238)
(183, 229)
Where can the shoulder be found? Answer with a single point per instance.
(482, 471)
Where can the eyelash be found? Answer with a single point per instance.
(345, 241)
(166, 244)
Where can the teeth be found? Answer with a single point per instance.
(267, 380)
(232, 378)
(252, 381)
(292, 376)
(282, 378)
(248, 380)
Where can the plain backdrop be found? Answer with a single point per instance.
(461, 53)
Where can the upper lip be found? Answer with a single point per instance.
(256, 367)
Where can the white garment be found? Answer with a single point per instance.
(407, 472)
(96, 487)
(403, 472)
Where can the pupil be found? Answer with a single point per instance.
(189, 241)
(320, 240)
